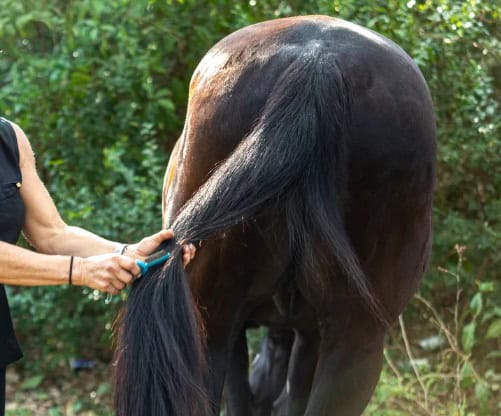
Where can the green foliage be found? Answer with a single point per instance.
(101, 88)
(452, 380)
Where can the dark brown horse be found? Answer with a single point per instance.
(305, 169)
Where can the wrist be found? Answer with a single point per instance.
(70, 271)
(131, 252)
(77, 274)
(121, 249)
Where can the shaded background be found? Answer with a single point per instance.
(100, 87)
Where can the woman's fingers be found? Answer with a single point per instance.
(109, 288)
(189, 251)
(129, 269)
(109, 273)
(149, 244)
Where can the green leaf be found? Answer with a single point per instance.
(78, 406)
(55, 411)
(467, 375)
(495, 355)
(486, 286)
(167, 104)
(32, 382)
(482, 392)
(103, 389)
(468, 336)
(476, 303)
(494, 330)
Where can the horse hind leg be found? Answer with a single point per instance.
(293, 399)
(238, 393)
(302, 365)
(282, 376)
(269, 371)
(347, 371)
(255, 394)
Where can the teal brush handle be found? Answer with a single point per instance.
(156, 259)
(146, 265)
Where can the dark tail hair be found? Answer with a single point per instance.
(294, 158)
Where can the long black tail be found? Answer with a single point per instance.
(294, 158)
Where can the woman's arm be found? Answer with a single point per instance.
(44, 228)
(108, 273)
(49, 234)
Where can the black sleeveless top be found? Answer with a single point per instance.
(11, 222)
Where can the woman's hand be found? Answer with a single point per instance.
(111, 273)
(108, 273)
(148, 245)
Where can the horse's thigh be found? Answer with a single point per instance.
(347, 373)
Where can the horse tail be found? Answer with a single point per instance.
(294, 158)
(159, 358)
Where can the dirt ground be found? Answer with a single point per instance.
(86, 393)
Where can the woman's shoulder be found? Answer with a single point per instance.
(6, 126)
(16, 139)
(8, 136)
(10, 126)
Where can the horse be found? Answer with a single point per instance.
(305, 174)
